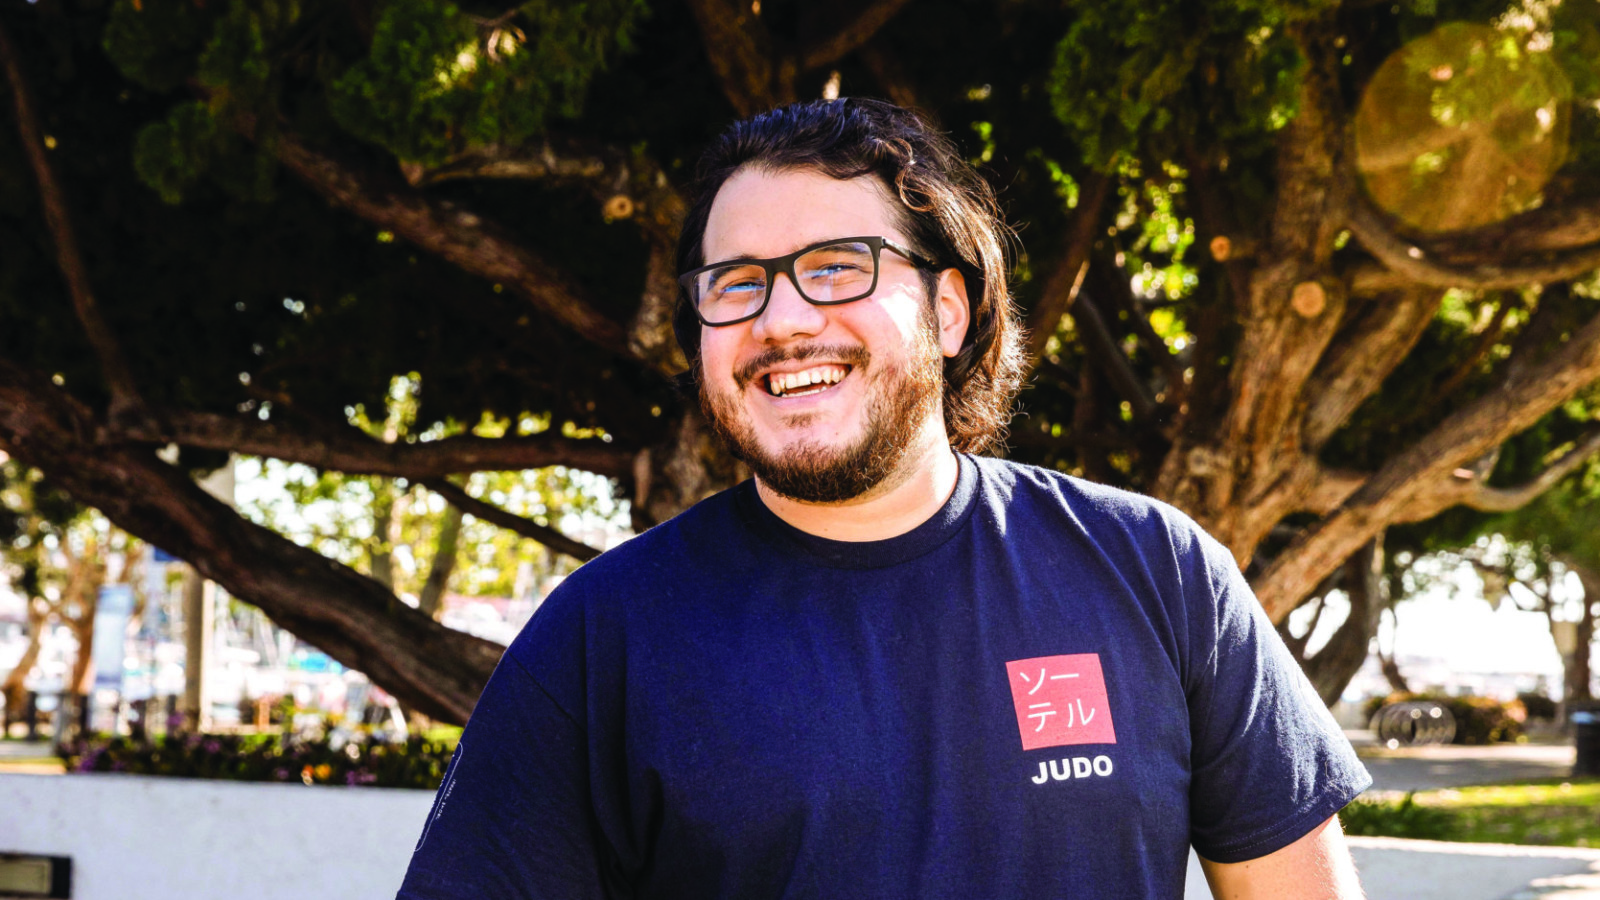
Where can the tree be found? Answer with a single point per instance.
(57, 556)
(227, 226)
(1557, 533)
(407, 537)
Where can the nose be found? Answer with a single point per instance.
(787, 315)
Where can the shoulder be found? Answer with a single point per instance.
(632, 578)
(667, 547)
(1132, 533)
(1098, 507)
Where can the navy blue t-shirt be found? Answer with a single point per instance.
(1050, 689)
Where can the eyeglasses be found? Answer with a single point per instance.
(829, 273)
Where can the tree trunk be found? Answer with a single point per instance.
(380, 551)
(85, 575)
(444, 563)
(1391, 670)
(1579, 669)
(1331, 669)
(13, 691)
(686, 467)
(440, 672)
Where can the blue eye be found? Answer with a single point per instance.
(832, 269)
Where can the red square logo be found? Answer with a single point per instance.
(1061, 700)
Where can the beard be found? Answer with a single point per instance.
(899, 399)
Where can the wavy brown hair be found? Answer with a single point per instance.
(948, 212)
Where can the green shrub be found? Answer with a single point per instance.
(1538, 705)
(1403, 818)
(417, 763)
(1484, 720)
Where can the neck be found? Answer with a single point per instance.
(920, 485)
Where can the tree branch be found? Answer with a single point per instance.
(1356, 367)
(754, 77)
(1486, 341)
(1414, 263)
(1139, 323)
(1311, 198)
(457, 236)
(1105, 350)
(536, 163)
(1480, 496)
(627, 185)
(1066, 279)
(125, 401)
(353, 451)
(1330, 488)
(351, 617)
(868, 20)
(650, 334)
(458, 497)
(1281, 340)
(1565, 226)
(1416, 483)
(890, 74)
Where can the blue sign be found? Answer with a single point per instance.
(109, 650)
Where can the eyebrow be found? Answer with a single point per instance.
(704, 261)
(748, 255)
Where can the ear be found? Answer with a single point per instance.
(955, 314)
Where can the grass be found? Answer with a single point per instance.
(1547, 812)
(443, 734)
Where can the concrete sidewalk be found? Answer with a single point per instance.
(1400, 869)
(1397, 869)
(1436, 870)
(1432, 768)
(29, 757)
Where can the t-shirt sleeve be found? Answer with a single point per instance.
(1268, 762)
(512, 819)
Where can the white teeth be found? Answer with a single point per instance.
(781, 383)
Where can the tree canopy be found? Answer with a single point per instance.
(1308, 270)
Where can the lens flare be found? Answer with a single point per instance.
(1462, 127)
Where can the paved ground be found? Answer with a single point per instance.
(29, 757)
(1399, 869)
(1396, 869)
(1432, 870)
(1430, 768)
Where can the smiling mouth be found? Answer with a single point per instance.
(814, 380)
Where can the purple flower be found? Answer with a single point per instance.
(213, 746)
(91, 760)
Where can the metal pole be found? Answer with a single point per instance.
(198, 623)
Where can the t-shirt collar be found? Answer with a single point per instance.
(864, 554)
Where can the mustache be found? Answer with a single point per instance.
(851, 355)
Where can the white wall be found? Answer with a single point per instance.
(133, 837)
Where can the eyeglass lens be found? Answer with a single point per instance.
(835, 273)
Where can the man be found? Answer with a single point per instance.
(885, 667)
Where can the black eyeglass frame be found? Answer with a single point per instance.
(785, 265)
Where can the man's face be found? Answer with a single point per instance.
(823, 402)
